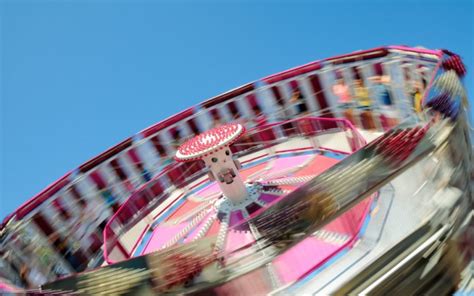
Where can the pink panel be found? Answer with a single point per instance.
(245, 173)
(288, 162)
(268, 198)
(184, 209)
(235, 218)
(161, 235)
(237, 239)
(209, 190)
(214, 228)
(303, 258)
(318, 165)
(350, 222)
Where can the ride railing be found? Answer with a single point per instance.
(127, 227)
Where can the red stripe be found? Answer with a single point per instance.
(98, 180)
(193, 126)
(313, 66)
(134, 156)
(359, 56)
(106, 155)
(318, 92)
(60, 208)
(38, 199)
(228, 95)
(167, 122)
(232, 106)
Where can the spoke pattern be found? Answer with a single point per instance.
(187, 229)
(202, 232)
(289, 180)
(221, 236)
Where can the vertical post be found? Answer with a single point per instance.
(222, 166)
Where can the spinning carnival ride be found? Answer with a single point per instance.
(346, 175)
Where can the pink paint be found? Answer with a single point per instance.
(184, 209)
(161, 235)
(288, 162)
(318, 165)
(351, 221)
(311, 253)
(268, 198)
(237, 239)
(10, 289)
(246, 173)
(235, 218)
(208, 190)
(303, 258)
(198, 228)
(214, 229)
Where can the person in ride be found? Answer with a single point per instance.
(342, 92)
(381, 90)
(417, 95)
(364, 104)
(298, 99)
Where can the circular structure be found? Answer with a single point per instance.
(209, 141)
(342, 160)
(209, 147)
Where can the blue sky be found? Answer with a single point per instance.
(79, 76)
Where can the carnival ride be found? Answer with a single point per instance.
(330, 178)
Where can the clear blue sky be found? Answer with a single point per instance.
(79, 76)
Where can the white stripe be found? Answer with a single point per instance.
(113, 180)
(130, 171)
(310, 98)
(149, 155)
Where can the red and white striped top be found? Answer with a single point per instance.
(209, 141)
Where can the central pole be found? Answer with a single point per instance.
(224, 170)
